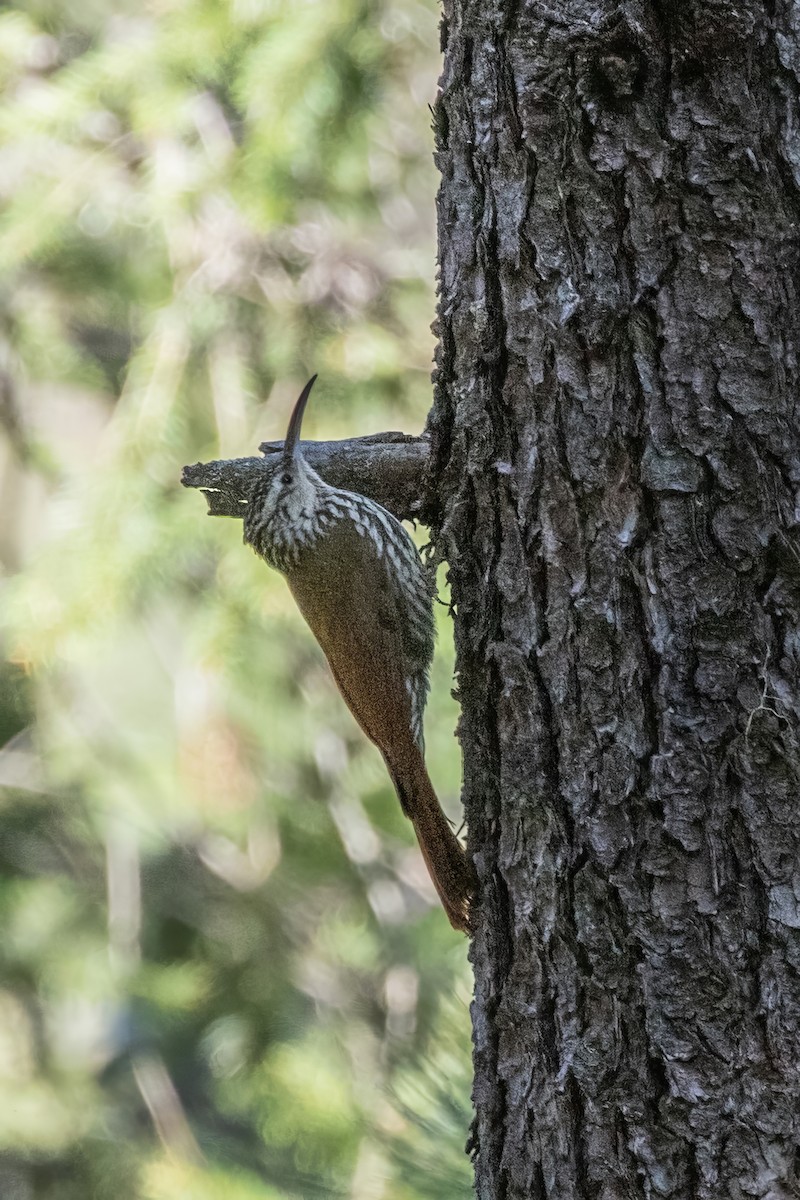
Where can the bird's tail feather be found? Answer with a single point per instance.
(450, 870)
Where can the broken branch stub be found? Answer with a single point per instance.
(387, 467)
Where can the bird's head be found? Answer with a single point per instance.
(286, 500)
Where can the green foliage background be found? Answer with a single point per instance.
(223, 972)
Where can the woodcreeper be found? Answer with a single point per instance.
(360, 584)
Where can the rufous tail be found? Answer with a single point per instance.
(450, 870)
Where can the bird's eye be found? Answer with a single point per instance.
(286, 478)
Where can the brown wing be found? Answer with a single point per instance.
(342, 591)
(346, 597)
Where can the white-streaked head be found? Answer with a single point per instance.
(282, 510)
(291, 494)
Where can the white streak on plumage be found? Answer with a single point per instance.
(292, 516)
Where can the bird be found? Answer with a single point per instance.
(361, 586)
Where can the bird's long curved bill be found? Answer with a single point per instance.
(293, 432)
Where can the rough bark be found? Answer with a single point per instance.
(615, 445)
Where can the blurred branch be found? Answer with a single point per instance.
(164, 1105)
(387, 467)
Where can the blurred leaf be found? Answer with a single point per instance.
(220, 950)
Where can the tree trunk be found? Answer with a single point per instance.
(615, 447)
